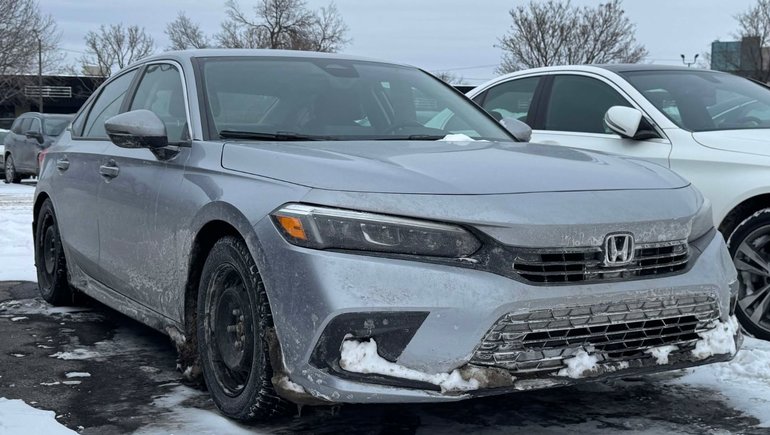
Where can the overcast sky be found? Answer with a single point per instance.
(456, 35)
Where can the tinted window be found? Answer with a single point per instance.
(55, 126)
(35, 126)
(107, 105)
(161, 92)
(511, 99)
(578, 103)
(702, 100)
(336, 99)
(16, 127)
(26, 125)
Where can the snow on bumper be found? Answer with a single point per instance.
(454, 309)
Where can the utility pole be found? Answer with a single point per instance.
(39, 74)
(689, 64)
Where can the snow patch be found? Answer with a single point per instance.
(459, 137)
(718, 340)
(362, 357)
(661, 353)
(16, 319)
(18, 418)
(579, 365)
(77, 375)
(16, 248)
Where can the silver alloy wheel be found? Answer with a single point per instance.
(752, 260)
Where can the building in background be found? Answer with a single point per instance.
(745, 58)
(60, 94)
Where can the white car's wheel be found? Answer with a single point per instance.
(749, 246)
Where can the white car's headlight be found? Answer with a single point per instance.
(330, 228)
(703, 221)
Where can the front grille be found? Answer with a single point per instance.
(587, 264)
(541, 340)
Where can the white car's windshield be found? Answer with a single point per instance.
(311, 99)
(703, 100)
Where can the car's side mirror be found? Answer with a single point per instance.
(32, 134)
(521, 131)
(623, 120)
(137, 129)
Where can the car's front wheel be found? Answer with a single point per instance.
(49, 258)
(233, 318)
(749, 246)
(11, 176)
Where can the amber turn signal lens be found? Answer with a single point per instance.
(292, 226)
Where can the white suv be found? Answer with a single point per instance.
(711, 127)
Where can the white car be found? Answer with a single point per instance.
(712, 128)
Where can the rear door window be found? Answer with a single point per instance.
(512, 99)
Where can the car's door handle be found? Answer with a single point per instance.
(110, 170)
(62, 164)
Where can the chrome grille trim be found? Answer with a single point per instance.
(541, 340)
(558, 265)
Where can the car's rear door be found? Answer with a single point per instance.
(570, 111)
(27, 156)
(17, 140)
(75, 183)
(138, 196)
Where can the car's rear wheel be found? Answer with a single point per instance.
(749, 246)
(49, 258)
(11, 176)
(232, 324)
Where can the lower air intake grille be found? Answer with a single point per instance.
(541, 340)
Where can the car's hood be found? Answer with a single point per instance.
(754, 141)
(438, 167)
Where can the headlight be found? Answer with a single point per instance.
(329, 228)
(703, 221)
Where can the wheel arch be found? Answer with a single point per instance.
(39, 200)
(215, 220)
(743, 210)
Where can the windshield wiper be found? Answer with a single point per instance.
(412, 137)
(277, 136)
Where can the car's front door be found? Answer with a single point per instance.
(75, 184)
(137, 197)
(570, 112)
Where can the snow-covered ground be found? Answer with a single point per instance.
(743, 384)
(16, 250)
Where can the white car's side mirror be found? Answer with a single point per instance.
(623, 120)
(521, 131)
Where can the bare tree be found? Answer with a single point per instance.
(185, 34)
(556, 33)
(754, 24)
(449, 77)
(114, 47)
(283, 24)
(22, 28)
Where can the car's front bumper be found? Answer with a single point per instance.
(308, 289)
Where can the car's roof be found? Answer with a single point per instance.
(242, 52)
(627, 67)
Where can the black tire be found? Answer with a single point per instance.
(49, 258)
(233, 317)
(749, 246)
(11, 176)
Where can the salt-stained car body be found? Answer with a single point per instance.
(289, 220)
(713, 128)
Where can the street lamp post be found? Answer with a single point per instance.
(39, 74)
(689, 64)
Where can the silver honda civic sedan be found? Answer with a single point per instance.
(290, 221)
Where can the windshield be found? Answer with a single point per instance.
(55, 126)
(703, 100)
(330, 99)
